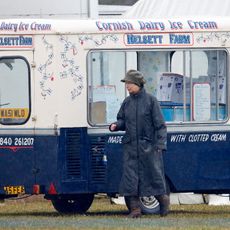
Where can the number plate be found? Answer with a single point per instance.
(14, 190)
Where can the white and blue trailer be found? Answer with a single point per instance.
(60, 89)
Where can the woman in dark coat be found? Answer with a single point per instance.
(144, 140)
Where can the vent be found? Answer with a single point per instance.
(98, 165)
(73, 159)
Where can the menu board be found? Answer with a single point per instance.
(201, 102)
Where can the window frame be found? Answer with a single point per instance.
(89, 82)
(29, 88)
(170, 123)
(191, 88)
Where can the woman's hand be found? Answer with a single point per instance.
(112, 127)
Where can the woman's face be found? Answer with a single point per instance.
(132, 88)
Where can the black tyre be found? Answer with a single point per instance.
(149, 205)
(79, 204)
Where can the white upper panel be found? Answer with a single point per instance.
(111, 26)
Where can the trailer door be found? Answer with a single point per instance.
(16, 125)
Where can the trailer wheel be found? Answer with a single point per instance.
(148, 205)
(77, 205)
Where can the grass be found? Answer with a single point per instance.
(40, 214)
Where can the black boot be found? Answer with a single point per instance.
(135, 210)
(164, 204)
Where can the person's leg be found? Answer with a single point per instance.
(164, 204)
(135, 210)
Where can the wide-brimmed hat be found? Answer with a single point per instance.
(135, 77)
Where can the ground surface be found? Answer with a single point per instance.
(37, 213)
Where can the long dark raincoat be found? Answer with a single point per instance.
(143, 170)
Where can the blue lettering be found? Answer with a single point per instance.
(151, 25)
(36, 26)
(175, 25)
(142, 25)
(16, 41)
(114, 26)
(202, 25)
(8, 26)
(179, 39)
(26, 41)
(144, 39)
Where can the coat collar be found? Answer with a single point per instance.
(141, 92)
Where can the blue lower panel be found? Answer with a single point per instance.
(199, 161)
(46, 161)
(28, 160)
(16, 162)
(76, 162)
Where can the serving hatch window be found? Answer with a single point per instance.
(106, 91)
(204, 74)
(14, 90)
(190, 85)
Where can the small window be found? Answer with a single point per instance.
(189, 84)
(14, 90)
(204, 74)
(106, 91)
